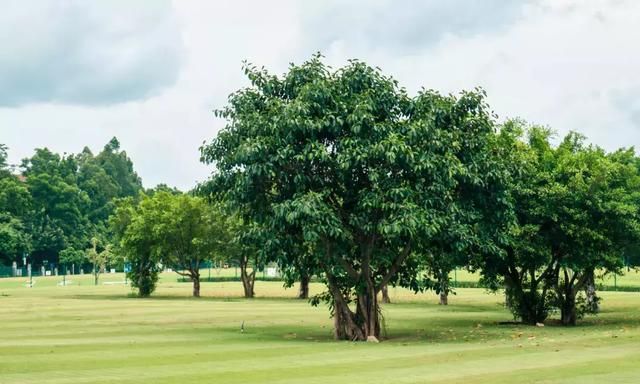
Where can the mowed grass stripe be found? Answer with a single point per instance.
(399, 367)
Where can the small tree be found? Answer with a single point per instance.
(99, 258)
(241, 245)
(135, 239)
(71, 256)
(188, 232)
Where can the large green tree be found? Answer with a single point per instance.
(15, 210)
(70, 198)
(367, 176)
(119, 167)
(57, 220)
(575, 209)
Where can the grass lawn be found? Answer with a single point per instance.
(86, 334)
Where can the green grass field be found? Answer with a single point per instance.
(86, 334)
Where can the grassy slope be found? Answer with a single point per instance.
(86, 334)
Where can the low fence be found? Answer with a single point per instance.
(454, 284)
(9, 271)
(39, 271)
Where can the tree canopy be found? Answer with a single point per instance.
(58, 203)
(575, 210)
(179, 231)
(368, 176)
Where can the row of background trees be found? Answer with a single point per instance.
(84, 211)
(55, 209)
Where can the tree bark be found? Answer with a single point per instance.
(248, 279)
(590, 290)
(566, 291)
(368, 310)
(523, 296)
(385, 294)
(444, 289)
(568, 310)
(303, 292)
(347, 325)
(195, 277)
(444, 298)
(96, 273)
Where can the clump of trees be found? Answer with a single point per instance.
(175, 230)
(345, 174)
(575, 210)
(56, 204)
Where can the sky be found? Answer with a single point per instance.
(77, 73)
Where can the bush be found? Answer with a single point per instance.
(144, 277)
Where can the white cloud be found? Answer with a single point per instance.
(90, 53)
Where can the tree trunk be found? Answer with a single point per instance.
(566, 292)
(568, 309)
(509, 292)
(248, 279)
(353, 326)
(444, 289)
(303, 292)
(444, 298)
(339, 322)
(195, 277)
(385, 295)
(530, 305)
(368, 311)
(590, 290)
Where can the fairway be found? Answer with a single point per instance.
(86, 334)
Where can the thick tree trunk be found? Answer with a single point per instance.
(526, 293)
(385, 295)
(248, 279)
(509, 293)
(303, 292)
(195, 277)
(444, 298)
(568, 309)
(349, 325)
(566, 291)
(368, 310)
(339, 322)
(590, 290)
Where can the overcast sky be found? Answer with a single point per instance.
(76, 73)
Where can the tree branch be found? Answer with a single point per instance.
(395, 266)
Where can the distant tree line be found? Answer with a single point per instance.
(54, 209)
